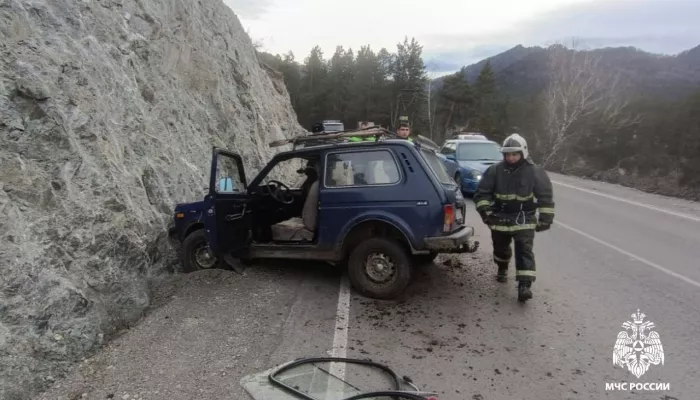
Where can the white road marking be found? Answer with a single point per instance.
(340, 336)
(627, 253)
(686, 216)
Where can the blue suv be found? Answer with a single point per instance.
(466, 159)
(379, 208)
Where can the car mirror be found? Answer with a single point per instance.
(451, 157)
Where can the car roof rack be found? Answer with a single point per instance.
(328, 138)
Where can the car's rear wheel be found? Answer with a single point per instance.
(195, 253)
(379, 268)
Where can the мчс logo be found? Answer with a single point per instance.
(639, 349)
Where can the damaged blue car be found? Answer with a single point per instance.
(378, 208)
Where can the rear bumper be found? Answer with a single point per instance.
(458, 242)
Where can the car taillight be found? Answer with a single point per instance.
(449, 211)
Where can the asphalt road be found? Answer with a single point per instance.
(456, 331)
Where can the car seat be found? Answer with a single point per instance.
(304, 228)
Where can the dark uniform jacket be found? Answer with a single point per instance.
(512, 196)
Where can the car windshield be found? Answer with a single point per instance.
(479, 151)
(436, 165)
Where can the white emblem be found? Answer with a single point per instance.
(639, 350)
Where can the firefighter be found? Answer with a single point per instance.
(508, 198)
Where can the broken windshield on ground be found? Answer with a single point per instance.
(322, 381)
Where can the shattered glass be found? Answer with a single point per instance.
(320, 381)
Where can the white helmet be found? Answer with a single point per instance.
(515, 143)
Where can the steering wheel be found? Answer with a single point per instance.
(282, 196)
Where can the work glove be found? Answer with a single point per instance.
(490, 220)
(542, 226)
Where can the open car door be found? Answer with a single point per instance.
(230, 215)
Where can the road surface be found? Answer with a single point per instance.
(457, 331)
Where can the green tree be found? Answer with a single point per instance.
(487, 107)
(456, 102)
(409, 80)
(292, 77)
(373, 86)
(368, 88)
(314, 94)
(340, 81)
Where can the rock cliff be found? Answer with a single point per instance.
(108, 112)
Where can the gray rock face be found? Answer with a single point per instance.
(108, 112)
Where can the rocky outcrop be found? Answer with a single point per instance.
(108, 112)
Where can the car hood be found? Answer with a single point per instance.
(477, 165)
(189, 207)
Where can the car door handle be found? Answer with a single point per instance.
(232, 217)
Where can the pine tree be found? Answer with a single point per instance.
(314, 88)
(292, 77)
(486, 101)
(340, 82)
(409, 83)
(457, 106)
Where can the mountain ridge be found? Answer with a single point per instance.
(521, 70)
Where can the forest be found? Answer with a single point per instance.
(591, 113)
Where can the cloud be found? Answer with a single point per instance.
(445, 62)
(658, 26)
(457, 32)
(249, 9)
(299, 25)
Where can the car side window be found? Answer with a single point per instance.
(361, 168)
(228, 178)
(449, 148)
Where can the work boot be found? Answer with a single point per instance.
(502, 274)
(524, 292)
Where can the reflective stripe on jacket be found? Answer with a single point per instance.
(514, 196)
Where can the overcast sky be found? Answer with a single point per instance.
(460, 32)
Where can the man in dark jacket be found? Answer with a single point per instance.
(508, 198)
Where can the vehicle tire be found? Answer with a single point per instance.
(195, 255)
(423, 259)
(379, 268)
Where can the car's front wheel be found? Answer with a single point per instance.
(195, 253)
(379, 268)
